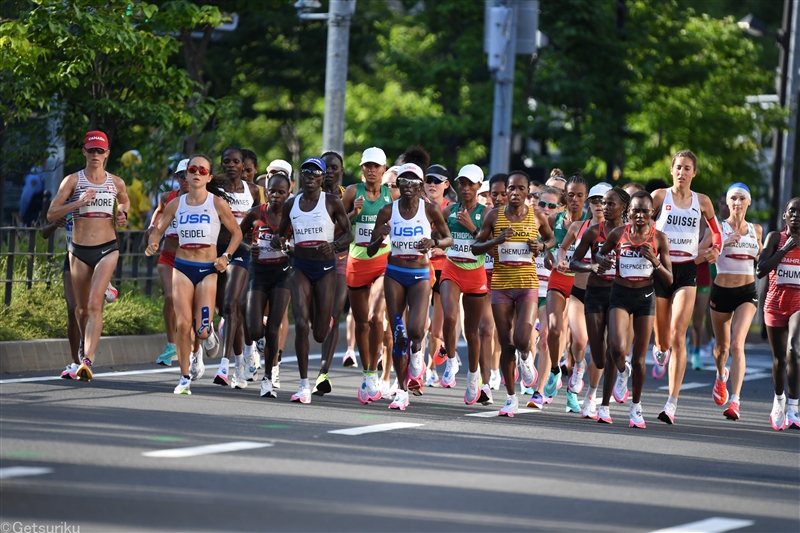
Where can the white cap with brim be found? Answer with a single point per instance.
(280, 164)
(373, 155)
(184, 163)
(484, 188)
(472, 172)
(410, 168)
(600, 189)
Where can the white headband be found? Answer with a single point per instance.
(737, 190)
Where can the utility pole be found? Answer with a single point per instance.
(777, 146)
(792, 84)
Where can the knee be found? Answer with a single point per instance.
(473, 337)
(678, 340)
(230, 308)
(553, 327)
(95, 307)
(721, 347)
(485, 331)
(375, 321)
(449, 322)
(301, 326)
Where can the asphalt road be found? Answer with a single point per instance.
(84, 447)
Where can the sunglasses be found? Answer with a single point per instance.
(434, 179)
(99, 151)
(533, 196)
(180, 175)
(309, 172)
(595, 200)
(203, 171)
(559, 178)
(547, 205)
(392, 185)
(409, 182)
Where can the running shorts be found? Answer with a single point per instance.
(683, 275)
(362, 273)
(91, 255)
(561, 283)
(266, 277)
(597, 300)
(166, 258)
(408, 276)
(636, 302)
(727, 299)
(512, 296)
(579, 294)
(468, 281)
(341, 263)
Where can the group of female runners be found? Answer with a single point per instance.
(522, 268)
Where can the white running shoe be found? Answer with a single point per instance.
(70, 372)
(211, 345)
(450, 370)
(777, 418)
(604, 415)
(575, 383)
(431, 378)
(527, 370)
(266, 389)
(416, 365)
(250, 369)
(793, 418)
(349, 359)
(385, 388)
(394, 388)
(303, 395)
(260, 343)
(473, 388)
(276, 377)
(621, 386)
(373, 389)
(221, 378)
(237, 380)
(494, 379)
(637, 420)
(589, 409)
(183, 386)
(510, 407)
(197, 368)
(400, 400)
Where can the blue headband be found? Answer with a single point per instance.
(739, 188)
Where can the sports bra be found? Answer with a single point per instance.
(406, 234)
(103, 204)
(198, 225)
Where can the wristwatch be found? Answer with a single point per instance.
(228, 256)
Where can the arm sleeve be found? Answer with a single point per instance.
(716, 233)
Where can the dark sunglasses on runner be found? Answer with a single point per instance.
(547, 204)
(409, 182)
(434, 179)
(99, 151)
(203, 171)
(533, 196)
(312, 172)
(596, 200)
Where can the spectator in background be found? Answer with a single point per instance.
(30, 204)
(140, 204)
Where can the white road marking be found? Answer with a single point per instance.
(22, 471)
(208, 449)
(710, 525)
(374, 428)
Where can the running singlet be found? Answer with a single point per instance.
(542, 273)
(365, 221)
(264, 231)
(439, 261)
(682, 227)
(198, 225)
(311, 228)
(631, 263)
(103, 204)
(609, 274)
(560, 228)
(172, 230)
(783, 292)
(739, 257)
(460, 253)
(588, 257)
(514, 267)
(407, 234)
(241, 202)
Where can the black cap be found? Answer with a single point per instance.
(438, 171)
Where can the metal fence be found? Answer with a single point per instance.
(25, 252)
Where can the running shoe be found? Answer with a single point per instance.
(440, 356)
(536, 401)
(267, 391)
(183, 386)
(589, 409)
(416, 365)
(220, 328)
(431, 378)
(661, 358)
(385, 388)
(732, 411)
(222, 373)
(400, 400)
(211, 345)
(322, 386)
(486, 395)
(111, 294)
(363, 395)
(473, 388)
(792, 420)
(529, 374)
(547, 400)
(494, 379)
(777, 418)
(603, 415)
(394, 388)
(720, 392)
(667, 414)
(637, 420)
(621, 386)
(349, 359)
(561, 373)
(276, 377)
(658, 371)
(84, 371)
(196, 367)
(575, 382)
(167, 356)
(551, 388)
(572, 403)
(260, 345)
(373, 388)
(415, 386)
(237, 381)
(70, 372)
(250, 369)
(525, 391)
(510, 407)
(450, 371)
(697, 361)
(303, 395)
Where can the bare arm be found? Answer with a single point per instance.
(483, 242)
(59, 207)
(163, 223)
(576, 265)
(380, 230)
(340, 218)
(436, 218)
(123, 202)
(771, 256)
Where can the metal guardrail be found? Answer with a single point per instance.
(25, 246)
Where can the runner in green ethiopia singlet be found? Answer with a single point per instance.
(365, 221)
(460, 253)
(560, 228)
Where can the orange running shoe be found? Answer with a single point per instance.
(720, 393)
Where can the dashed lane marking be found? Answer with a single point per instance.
(709, 525)
(374, 428)
(194, 451)
(22, 471)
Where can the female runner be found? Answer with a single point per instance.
(781, 260)
(490, 348)
(680, 212)
(641, 251)
(200, 213)
(407, 286)
(734, 298)
(463, 273)
(514, 283)
(362, 202)
(90, 195)
(598, 291)
(313, 217)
